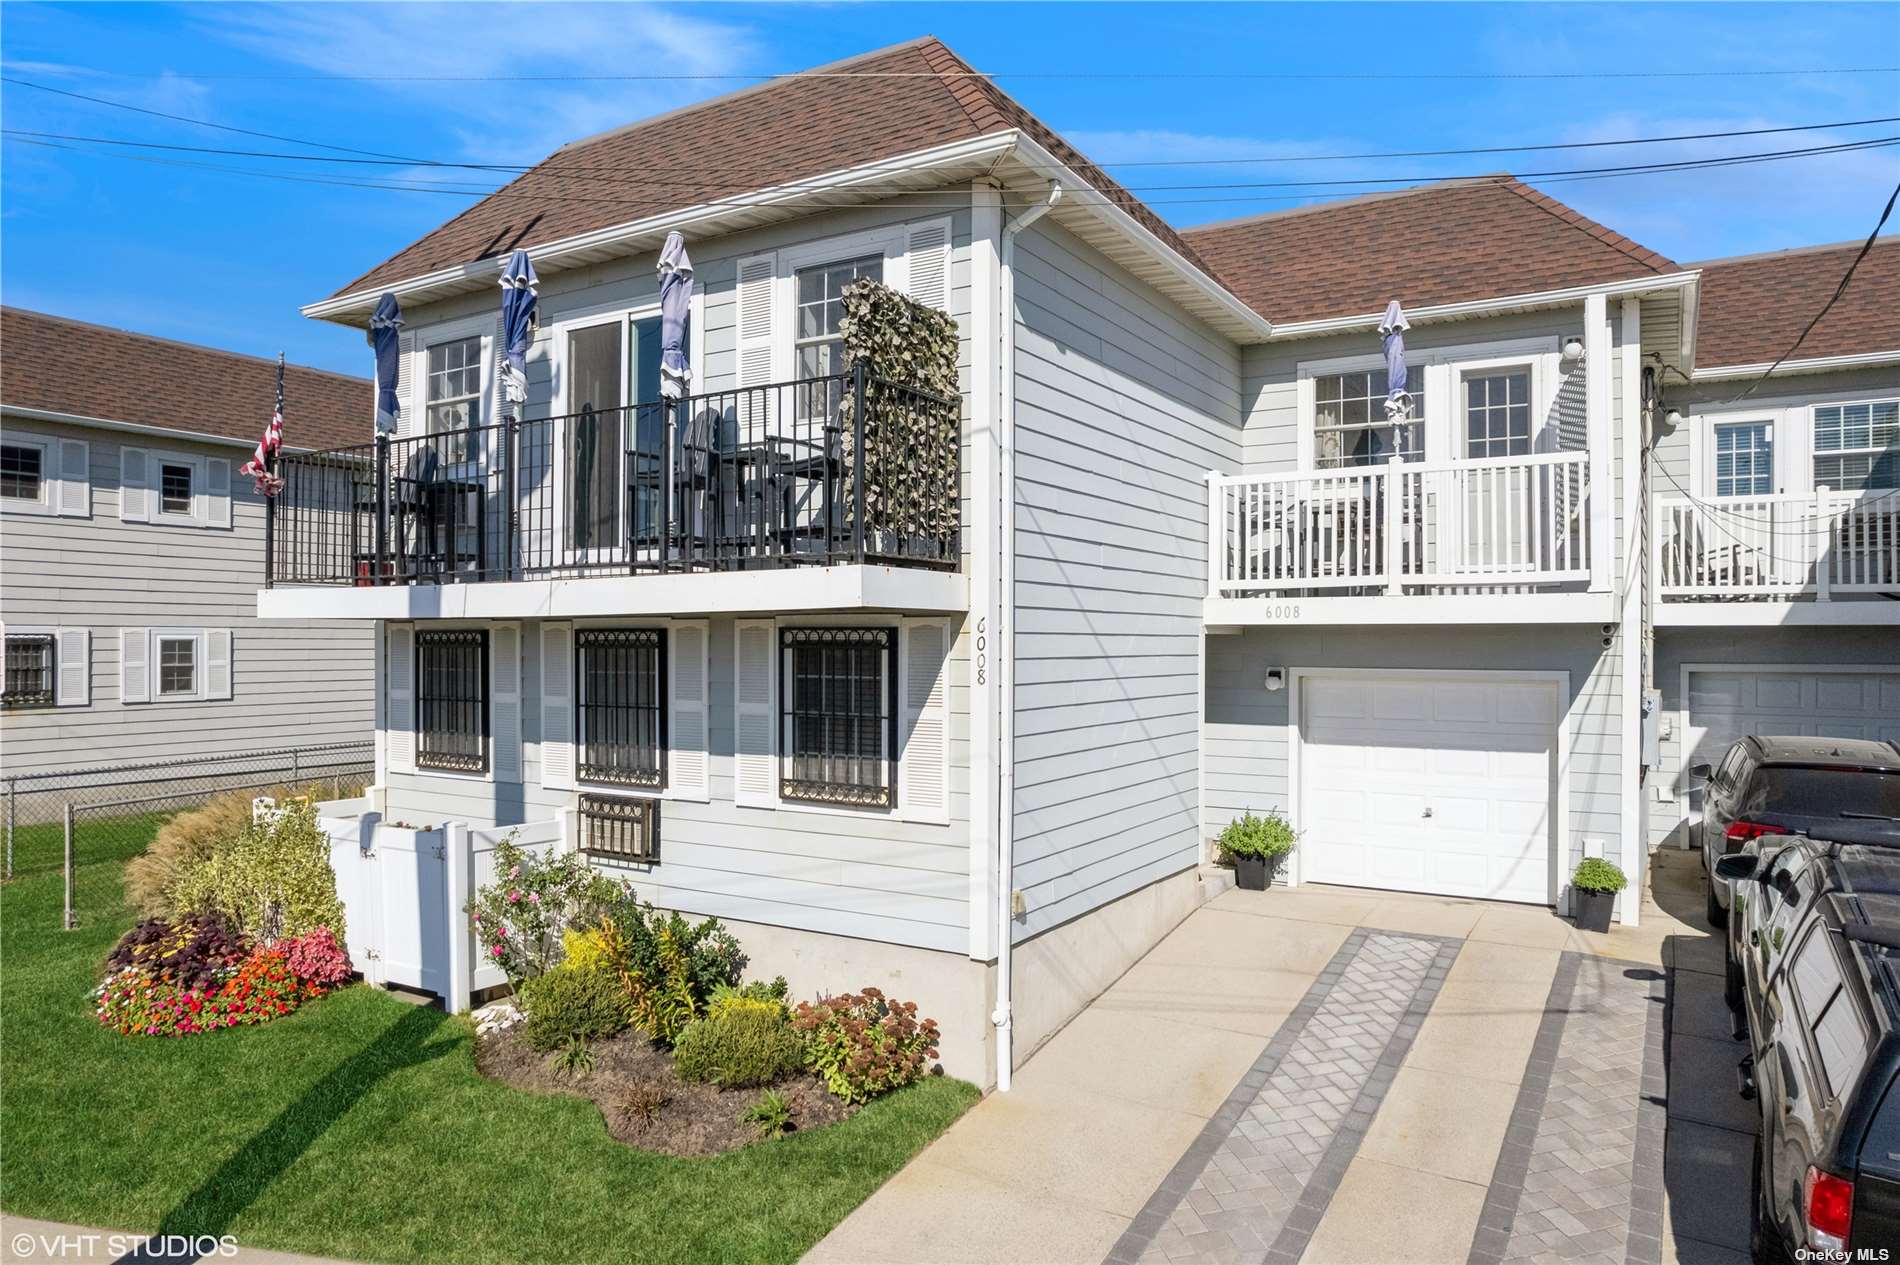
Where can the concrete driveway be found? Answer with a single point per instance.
(1341, 1077)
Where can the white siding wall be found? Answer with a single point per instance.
(294, 684)
(1123, 404)
(867, 874)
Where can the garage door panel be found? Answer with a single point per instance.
(1455, 799)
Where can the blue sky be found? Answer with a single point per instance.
(225, 259)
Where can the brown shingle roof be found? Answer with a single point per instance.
(62, 366)
(1753, 308)
(1442, 243)
(893, 101)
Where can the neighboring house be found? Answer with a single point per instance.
(983, 770)
(132, 550)
(1778, 515)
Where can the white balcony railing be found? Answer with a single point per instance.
(1798, 545)
(1496, 524)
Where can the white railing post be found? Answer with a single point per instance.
(1599, 425)
(458, 858)
(1823, 538)
(1390, 551)
(1216, 529)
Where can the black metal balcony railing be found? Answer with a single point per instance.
(787, 474)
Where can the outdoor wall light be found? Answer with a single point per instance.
(1276, 680)
(1672, 418)
(1573, 349)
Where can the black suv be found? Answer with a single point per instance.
(1815, 972)
(1780, 786)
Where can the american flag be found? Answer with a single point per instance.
(259, 466)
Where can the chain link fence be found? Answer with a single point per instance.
(73, 820)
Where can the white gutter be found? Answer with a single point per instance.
(1488, 307)
(1818, 364)
(551, 256)
(141, 428)
(1006, 660)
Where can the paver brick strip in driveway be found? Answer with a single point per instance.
(1255, 1184)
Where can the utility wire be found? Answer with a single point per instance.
(623, 169)
(1827, 307)
(1690, 164)
(1110, 75)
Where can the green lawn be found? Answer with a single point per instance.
(359, 1128)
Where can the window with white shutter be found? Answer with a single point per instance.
(135, 665)
(927, 269)
(399, 697)
(688, 761)
(923, 729)
(135, 485)
(557, 707)
(504, 701)
(754, 714)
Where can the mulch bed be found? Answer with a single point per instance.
(630, 1074)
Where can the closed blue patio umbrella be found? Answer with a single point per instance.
(518, 310)
(676, 307)
(385, 328)
(1398, 404)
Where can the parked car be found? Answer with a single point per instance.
(1814, 972)
(1778, 786)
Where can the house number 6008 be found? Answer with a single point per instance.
(1290, 610)
(982, 651)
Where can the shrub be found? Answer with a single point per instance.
(643, 1104)
(181, 846)
(273, 880)
(584, 950)
(192, 953)
(863, 1045)
(1594, 874)
(1270, 836)
(568, 1003)
(668, 966)
(758, 991)
(771, 1115)
(521, 918)
(747, 1042)
(317, 958)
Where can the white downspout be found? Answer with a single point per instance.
(1006, 660)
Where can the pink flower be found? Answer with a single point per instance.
(515, 873)
(534, 898)
(513, 897)
(495, 952)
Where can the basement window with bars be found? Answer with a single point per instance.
(29, 671)
(621, 689)
(620, 829)
(838, 716)
(452, 701)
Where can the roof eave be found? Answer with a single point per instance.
(1196, 289)
(1684, 280)
(54, 417)
(637, 236)
(1788, 368)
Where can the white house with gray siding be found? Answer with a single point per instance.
(131, 551)
(1193, 570)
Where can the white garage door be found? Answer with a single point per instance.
(1429, 785)
(1729, 703)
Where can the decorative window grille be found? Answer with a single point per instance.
(452, 700)
(621, 687)
(620, 829)
(838, 716)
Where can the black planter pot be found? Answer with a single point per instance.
(1593, 909)
(1251, 873)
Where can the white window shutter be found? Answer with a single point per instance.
(504, 700)
(754, 714)
(73, 498)
(557, 707)
(927, 264)
(923, 729)
(412, 376)
(688, 765)
(135, 485)
(756, 319)
(217, 493)
(218, 667)
(74, 649)
(135, 665)
(399, 691)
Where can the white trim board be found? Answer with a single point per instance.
(1558, 679)
(1874, 612)
(793, 589)
(1413, 608)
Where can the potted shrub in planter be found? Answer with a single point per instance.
(1256, 847)
(1594, 887)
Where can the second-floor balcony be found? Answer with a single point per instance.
(838, 470)
(1742, 558)
(1501, 525)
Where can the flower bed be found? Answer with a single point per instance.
(200, 974)
(643, 1012)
